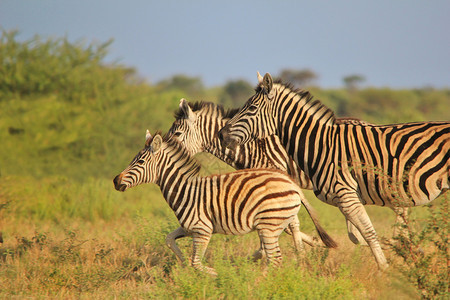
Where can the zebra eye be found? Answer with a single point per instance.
(141, 161)
(177, 134)
(252, 108)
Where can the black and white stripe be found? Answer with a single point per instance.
(235, 203)
(196, 126)
(350, 165)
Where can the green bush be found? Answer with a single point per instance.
(388, 106)
(425, 253)
(73, 71)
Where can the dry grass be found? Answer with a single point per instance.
(127, 258)
(112, 245)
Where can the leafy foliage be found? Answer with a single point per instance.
(299, 78)
(426, 253)
(72, 71)
(353, 81)
(235, 93)
(387, 106)
(192, 86)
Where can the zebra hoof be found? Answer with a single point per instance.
(258, 255)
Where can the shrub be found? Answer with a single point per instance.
(425, 254)
(74, 71)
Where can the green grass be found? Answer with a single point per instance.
(68, 239)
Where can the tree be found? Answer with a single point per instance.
(299, 78)
(73, 71)
(235, 93)
(190, 85)
(352, 82)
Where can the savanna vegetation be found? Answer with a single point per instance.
(69, 122)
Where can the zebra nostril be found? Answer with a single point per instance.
(117, 180)
(122, 187)
(223, 133)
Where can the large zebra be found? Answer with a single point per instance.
(349, 164)
(196, 126)
(235, 203)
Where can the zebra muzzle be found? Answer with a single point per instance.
(118, 183)
(225, 138)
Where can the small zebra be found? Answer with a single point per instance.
(196, 128)
(350, 165)
(235, 203)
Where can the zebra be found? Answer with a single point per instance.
(235, 203)
(350, 165)
(196, 126)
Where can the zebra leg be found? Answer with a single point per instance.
(297, 235)
(259, 254)
(299, 238)
(354, 235)
(201, 241)
(269, 240)
(170, 242)
(311, 241)
(355, 212)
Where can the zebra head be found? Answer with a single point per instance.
(251, 122)
(142, 168)
(187, 129)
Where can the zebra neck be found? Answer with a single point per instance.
(233, 157)
(213, 119)
(305, 130)
(177, 170)
(212, 123)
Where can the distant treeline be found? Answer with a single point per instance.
(65, 111)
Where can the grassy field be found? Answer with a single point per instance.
(69, 124)
(69, 240)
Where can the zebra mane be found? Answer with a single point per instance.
(199, 105)
(352, 121)
(304, 95)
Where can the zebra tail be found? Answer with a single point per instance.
(326, 239)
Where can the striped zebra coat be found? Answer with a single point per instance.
(235, 203)
(350, 165)
(196, 126)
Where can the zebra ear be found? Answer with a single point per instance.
(156, 143)
(260, 78)
(186, 109)
(148, 138)
(267, 83)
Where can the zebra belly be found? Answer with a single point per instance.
(264, 199)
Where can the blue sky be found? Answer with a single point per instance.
(392, 43)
